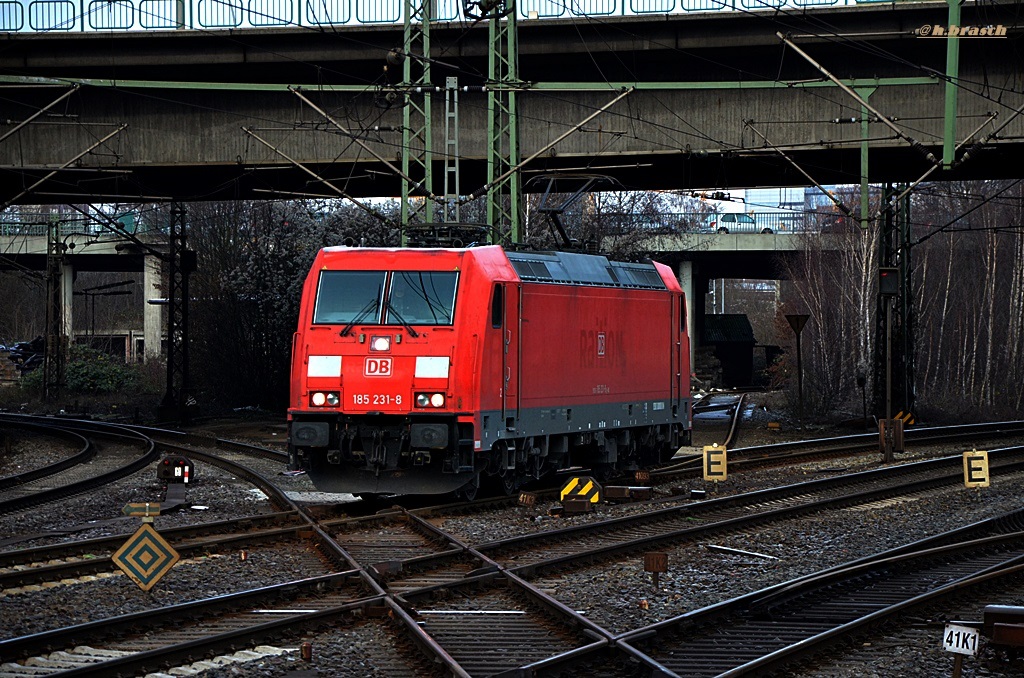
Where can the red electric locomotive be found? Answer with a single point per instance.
(431, 370)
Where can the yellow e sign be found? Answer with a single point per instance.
(976, 468)
(714, 462)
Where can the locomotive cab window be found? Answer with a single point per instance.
(348, 297)
(421, 298)
(498, 306)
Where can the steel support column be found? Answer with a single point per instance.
(503, 194)
(894, 251)
(180, 263)
(865, 205)
(452, 189)
(417, 206)
(952, 76)
(55, 355)
(906, 386)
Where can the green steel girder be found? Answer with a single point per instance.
(518, 85)
(952, 76)
(865, 207)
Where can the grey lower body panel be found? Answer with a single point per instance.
(498, 431)
(608, 417)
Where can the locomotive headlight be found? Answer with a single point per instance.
(380, 343)
(430, 400)
(324, 398)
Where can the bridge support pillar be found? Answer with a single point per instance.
(686, 282)
(67, 281)
(152, 315)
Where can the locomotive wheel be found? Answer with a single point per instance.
(470, 489)
(507, 483)
(605, 472)
(499, 485)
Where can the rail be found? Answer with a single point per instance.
(126, 15)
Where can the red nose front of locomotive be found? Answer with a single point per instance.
(383, 371)
(379, 340)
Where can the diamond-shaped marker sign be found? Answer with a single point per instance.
(146, 557)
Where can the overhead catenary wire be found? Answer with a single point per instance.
(341, 193)
(863, 102)
(546, 148)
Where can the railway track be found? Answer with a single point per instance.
(121, 461)
(684, 466)
(34, 566)
(770, 630)
(77, 450)
(762, 632)
(154, 639)
(402, 545)
(26, 567)
(477, 607)
(121, 454)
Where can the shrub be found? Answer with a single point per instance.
(88, 372)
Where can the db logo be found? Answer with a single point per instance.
(377, 367)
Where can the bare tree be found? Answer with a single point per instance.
(970, 275)
(253, 259)
(836, 287)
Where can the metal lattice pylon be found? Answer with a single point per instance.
(55, 351)
(417, 212)
(180, 263)
(894, 252)
(452, 190)
(503, 194)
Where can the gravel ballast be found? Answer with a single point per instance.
(618, 596)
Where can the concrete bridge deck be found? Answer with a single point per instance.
(702, 102)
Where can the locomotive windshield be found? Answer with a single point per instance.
(413, 298)
(348, 297)
(421, 298)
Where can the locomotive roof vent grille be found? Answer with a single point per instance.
(584, 269)
(639, 276)
(531, 270)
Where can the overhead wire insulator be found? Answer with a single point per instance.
(487, 9)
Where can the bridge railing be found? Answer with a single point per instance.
(128, 15)
(667, 223)
(16, 222)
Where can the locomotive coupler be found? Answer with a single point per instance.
(378, 452)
